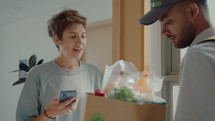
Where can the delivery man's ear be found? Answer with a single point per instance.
(192, 11)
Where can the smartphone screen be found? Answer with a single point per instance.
(65, 95)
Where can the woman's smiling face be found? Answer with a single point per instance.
(73, 42)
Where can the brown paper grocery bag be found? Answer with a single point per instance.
(104, 109)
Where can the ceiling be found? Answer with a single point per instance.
(13, 10)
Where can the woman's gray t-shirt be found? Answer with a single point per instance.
(45, 81)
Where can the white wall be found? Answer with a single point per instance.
(21, 39)
(99, 37)
(211, 11)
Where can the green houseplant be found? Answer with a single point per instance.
(23, 67)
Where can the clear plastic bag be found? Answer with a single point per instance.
(124, 82)
(146, 88)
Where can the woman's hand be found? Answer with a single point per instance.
(57, 108)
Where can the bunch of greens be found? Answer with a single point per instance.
(122, 93)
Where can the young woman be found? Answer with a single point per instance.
(39, 100)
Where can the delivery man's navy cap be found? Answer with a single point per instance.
(158, 8)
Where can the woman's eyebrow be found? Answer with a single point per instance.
(78, 33)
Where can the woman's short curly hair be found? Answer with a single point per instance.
(61, 21)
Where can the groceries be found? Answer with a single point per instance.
(123, 81)
(127, 95)
(122, 93)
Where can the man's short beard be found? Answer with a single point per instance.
(187, 36)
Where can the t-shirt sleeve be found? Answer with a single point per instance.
(98, 79)
(28, 105)
(95, 76)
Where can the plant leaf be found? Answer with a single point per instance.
(40, 62)
(32, 61)
(23, 67)
(15, 70)
(21, 80)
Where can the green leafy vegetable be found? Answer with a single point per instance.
(123, 93)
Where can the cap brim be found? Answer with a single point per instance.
(153, 15)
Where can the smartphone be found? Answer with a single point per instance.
(65, 95)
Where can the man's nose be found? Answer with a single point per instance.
(165, 30)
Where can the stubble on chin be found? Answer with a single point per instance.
(187, 36)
